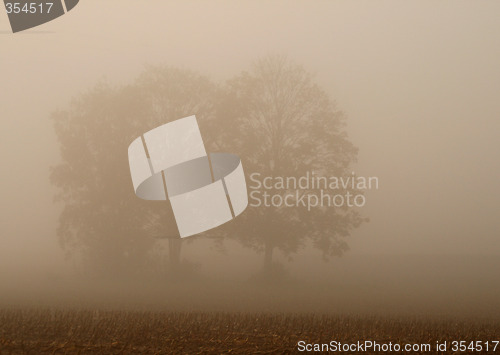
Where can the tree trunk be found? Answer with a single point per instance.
(174, 251)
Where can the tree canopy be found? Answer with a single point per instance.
(102, 218)
(283, 124)
(274, 117)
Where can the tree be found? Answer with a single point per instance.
(102, 218)
(275, 117)
(283, 124)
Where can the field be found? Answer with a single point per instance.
(141, 332)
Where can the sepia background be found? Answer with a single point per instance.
(418, 84)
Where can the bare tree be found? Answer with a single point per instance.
(283, 124)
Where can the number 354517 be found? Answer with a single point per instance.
(29, 8)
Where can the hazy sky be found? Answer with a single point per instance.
(420, 83)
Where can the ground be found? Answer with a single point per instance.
(144, 332)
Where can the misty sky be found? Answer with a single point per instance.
(419, 82)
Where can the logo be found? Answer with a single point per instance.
(24, 14)
(205, 190)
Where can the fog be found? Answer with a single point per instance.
(419, 83)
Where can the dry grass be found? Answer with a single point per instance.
(124, 332)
